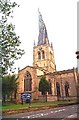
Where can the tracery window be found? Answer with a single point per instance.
(27, 82)
(58, 89)
(67, 89)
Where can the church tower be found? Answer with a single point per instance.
(43, 53)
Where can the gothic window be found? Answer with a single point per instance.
(43, 54)
(67, 89)
(50, 87)
(27, 82)
(39, 55)
(58, 89)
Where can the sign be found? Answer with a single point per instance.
(26, 97)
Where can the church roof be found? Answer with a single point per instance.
(26, 67)
(63, 72)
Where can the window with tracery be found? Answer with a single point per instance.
(58, 89)
(27, 82)
(67, 89)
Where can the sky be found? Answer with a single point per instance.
(60, 18)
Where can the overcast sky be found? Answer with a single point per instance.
(60, 18)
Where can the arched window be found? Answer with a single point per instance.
(50, 87)
(39, 55)
(27, 82)
(67, 89)
(58, 89)
(43, 54)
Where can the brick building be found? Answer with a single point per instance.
(63, 84)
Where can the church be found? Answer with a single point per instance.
(63, 84)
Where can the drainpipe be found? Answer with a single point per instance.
(77, 53)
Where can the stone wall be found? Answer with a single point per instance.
(62, 78)
(48, 63)
(21, 74)
(51, 98)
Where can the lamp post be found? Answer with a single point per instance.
(77, 53)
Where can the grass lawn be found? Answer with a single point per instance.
(10, 106)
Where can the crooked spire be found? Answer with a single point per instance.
(43, 37)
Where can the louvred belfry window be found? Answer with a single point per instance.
(39, 55)
(43, 54)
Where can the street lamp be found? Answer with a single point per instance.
(77, 53)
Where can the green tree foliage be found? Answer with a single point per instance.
(9, 86)
(43, 85)
(9, 41)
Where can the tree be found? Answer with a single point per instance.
(9, 86)
(43, 85)
(9, 41)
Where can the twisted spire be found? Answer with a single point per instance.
(42, 30)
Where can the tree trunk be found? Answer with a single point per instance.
(46, 97)
(11, 98)
(4, 99)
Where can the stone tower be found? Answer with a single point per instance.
(43, 53)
